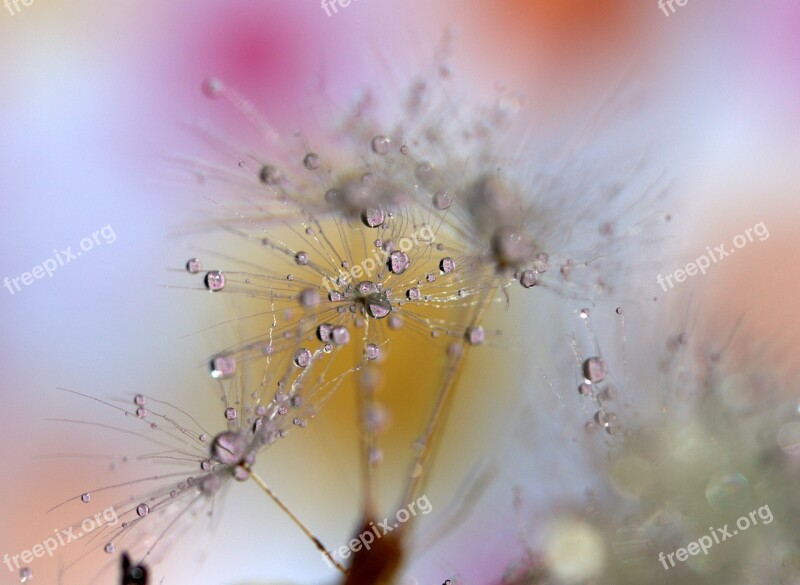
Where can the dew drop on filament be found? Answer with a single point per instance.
(142, 510)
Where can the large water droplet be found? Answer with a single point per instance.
(447, 265)
(229, 448)
(398, 262)
(215, 280)
(223, 366)
(442, 201)
(378, 305)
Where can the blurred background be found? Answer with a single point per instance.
(96, 97)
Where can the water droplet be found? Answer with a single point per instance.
(585, 389)
(210, 484)
(584, 314)
(229, 448)
(475, 335)
(540, 265)
(373, 217)
(141, 412)
(309, 298)
(619, 310)
(447, 265)
(311, 161)
(302, 357)
(594, 370)
(528, 278)
(324, 332)
(203, 438)
(372, 352)
(398, 262)
(142, 510)
(380, 144)
(601, 418)
(413, 294)
(230, 413)
(240, 473)
(139, 400)
(404, 150)
(334, 296)
(378, 305)
(25, 574)
(340, 335)
(301, 258)
(395, 322)
(205, 465)
(332, 196)
(193, 266)
(442, 200)
(269, 175)
(86, 498)
(365, 287)
(215, 280)
(223, 366)
(109, 548)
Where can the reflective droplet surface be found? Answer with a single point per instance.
(194, 265)
(365, 288)
(223, 366)
(413, 294)
(229, 448)
(373, 217)
(139, 400)
(447, 265)
(372, 351)
(585, 389)
(475, 335)
(398, 262)
(309, 298)
(380, 144)
(269, 175)
(141, 412)
(594, 370)
(528, 278)
(231, 413)
(395, 322)
(109, 548)
(301, 258)
(205, 465)
(311, 161)
(340, 335)
(324, 332)
(212, 87)
(302, 357)
(378, 305)
(215, 280)
(86, 498)
(142, 510)
(442, 200)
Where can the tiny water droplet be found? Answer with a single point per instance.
(447, 265)
(86, 498)
(585, 389)
(324, 332)
(269, 175)
(594, 370)
(142, 510)
(334, 296)
(194, 265)
(372, 352)
(475, 335)
(528, 278)
(380, 144)
(109, 548)
(430, 277)
(404, 150)
(413, 294)
(223, 366)
(141, 412)
(231, 413)
(619, 310)
(215, 280)
(442, 200)
(311, 161)
(25, 575)
(139, 400)
(301, 258)
(584, 314)
(205, 465)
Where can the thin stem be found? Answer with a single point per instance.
(295, 519)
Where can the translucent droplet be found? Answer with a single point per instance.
(340, 335)
(311, 161)
(395, 322)
(210, 484)
(231, 413)
(301, 258)
(585, 389)
(141, 412)
(332, 196)
(269, 175)
(442, 200)
(302, 357)
(194, 265)
(212, 87)
(510, 247)
(380, 144)
(528, 278)
(365, 288)
(309, 298)
(601, 418)
(413, 294)
(430, 277)
(789, 438)
(373, 217)
(299, 422)
(404, 150)
(447, 265)
(139, 400)
(142, 510)
(727, 490)
(25, 575)
(109, 548)
(378, 305)
(618, 311)
(229, 448)
(541, 265)
(594, 370)
(334, 296)
(215, 280)
(372, 352)
(205, 465)
(398, 262)
(324, 332)
(223, 366)
(475, 335)
(86, 498)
